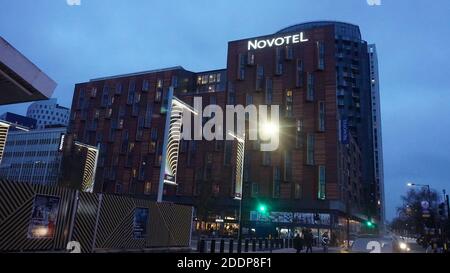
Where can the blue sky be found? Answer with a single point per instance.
(106, 37)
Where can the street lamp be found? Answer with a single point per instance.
(424, 186)
(267, 130)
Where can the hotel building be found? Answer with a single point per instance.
(323, 176)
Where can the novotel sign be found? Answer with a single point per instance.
(279, 41)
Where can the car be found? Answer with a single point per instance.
(379, 244)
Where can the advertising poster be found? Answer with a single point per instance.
(140, 223)
(43, 217)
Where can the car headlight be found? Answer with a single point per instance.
(403, 246)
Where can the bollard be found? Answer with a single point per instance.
(230, 246)
(272, 243)
(254, 245)
(222, 246)
(199, 245)
(239, 246)
(213, 246)
(260, 244)
(202, 246)
(246, 245)
(266, 244)
(282, 243)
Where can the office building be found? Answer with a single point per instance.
(19, 120)
(33, 156)
(48, 113)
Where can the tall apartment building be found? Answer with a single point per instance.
(33, 156)
(377, 190)
(48, 113)
(321, 176)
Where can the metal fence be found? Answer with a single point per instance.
(242, 246)
(39, 218)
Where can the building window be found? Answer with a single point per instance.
(145, 85)
(159, 84)
(298, 191)
(148, 188)
(255, 189)
(310, 89)
(322, 183)
(267, 158)
(289, 53)
(310, 149)
(228, 152)
(131, 91)
(93, 94)
(259, 77)
(299, 73)
(276, 182)
(289, 104)
(158, 95)
(299, 134)
(241, 67)
(278, 61)
(148, 116)
(288, 165)
(250, 58)
(174, 81)
(118, 88)
(269, 91)
(320, 56)
(321, 119)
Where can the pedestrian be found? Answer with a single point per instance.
(325, 242)
(298, 243)
(308, 237)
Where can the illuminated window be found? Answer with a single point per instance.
(322, 183)
(299, 135)
(159, 83)
(148, 188)
(298, 191)
(289, 103)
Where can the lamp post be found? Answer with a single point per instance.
(424, 186)
(428, 196)
(267, 130)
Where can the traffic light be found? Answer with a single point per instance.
(370, 224)
(262, 208)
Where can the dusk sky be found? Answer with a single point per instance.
(106, 37)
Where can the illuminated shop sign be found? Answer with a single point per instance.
(279, 41)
